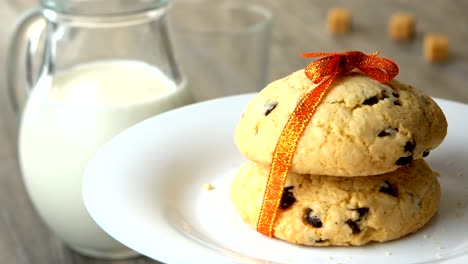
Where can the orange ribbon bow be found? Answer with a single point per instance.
(380, 69)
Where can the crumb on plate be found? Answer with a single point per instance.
(208, 186)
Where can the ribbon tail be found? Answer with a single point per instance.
(319, 54)
(284, 153)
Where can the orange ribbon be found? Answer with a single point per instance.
(380, 69)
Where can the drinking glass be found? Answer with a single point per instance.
(222, 46)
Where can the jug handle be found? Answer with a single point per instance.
(21, 53)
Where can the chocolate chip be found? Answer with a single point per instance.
(395, 97)
(321, 240)
(362, 211)
(387, 132)
(371, 101)
(425, 153)
(269, 106)
(288, 198)
(312, 219)
(354, 226)
(383, 133)
(387, 188)
(403, 161)
(409, 146)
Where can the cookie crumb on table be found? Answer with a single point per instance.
(339, 20)
(435, 47)
(208, 186)
(401, 26)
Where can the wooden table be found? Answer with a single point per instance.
(299, 26)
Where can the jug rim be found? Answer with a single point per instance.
(95, 21)
(102, 8)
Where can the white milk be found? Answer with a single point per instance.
(63, 126)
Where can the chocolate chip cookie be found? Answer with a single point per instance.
(362, 127)
(322, 210)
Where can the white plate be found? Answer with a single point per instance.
(145, 188)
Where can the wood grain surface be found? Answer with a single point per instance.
(299, 26)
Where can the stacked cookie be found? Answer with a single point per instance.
(357, 174)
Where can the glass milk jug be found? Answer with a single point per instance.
(82, 71)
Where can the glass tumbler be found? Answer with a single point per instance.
(223, 46)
